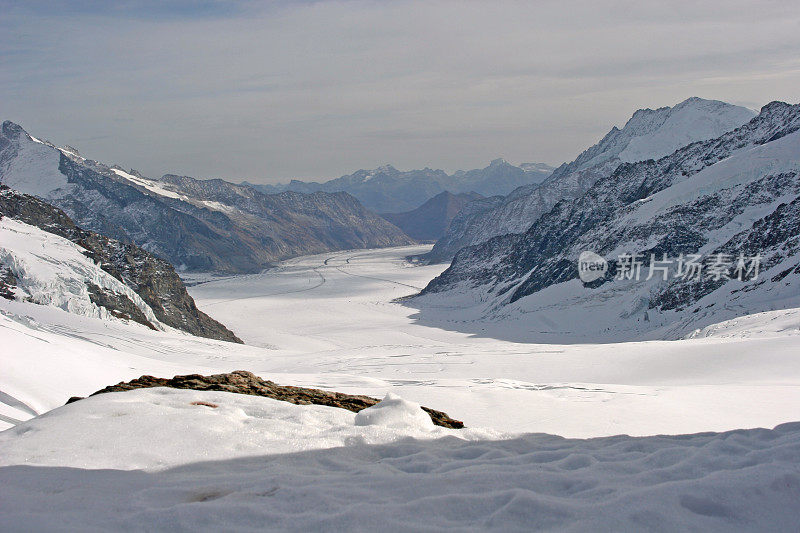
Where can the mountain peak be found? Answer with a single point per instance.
(12, 128)
(775, 105)
(498, 162)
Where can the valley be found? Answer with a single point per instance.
(333, 321)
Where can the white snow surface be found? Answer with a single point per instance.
(52, 270)
(745, 166)
(158, 428)
(393, 411)
(690, 121)
(150, 459)
(150, 185)
(329, 321)
(35, 170)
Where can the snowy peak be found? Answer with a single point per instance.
(12, 129)
(655, 134)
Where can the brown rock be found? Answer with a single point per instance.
(243, 382)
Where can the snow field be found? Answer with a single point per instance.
(272, 465)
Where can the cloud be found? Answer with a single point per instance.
(317, 89)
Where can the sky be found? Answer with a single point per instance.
(268, 91)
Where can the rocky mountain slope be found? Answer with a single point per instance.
(194, 224)
(46, 259)
(430, 221)
(648, 134)
(726, 199)
(388, 190)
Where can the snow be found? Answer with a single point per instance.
(649, 134)
(34, 170)
(157, 188)
(154, 458)
(52, 270)
(150, 185)
(71, 154)
(767, 324)
(151, 459)
(159, 428)
(218, 206)
(747, 165)
(690, 121)
(330, 321)
(393, 411)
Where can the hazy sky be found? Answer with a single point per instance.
(271, 91)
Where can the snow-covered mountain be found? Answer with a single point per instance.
(648, 134)
(196, 225)
(735, 196)
(388, 190)
(47, 260)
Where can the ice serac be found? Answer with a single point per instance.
(49, 260)
(195, 224)
(388, 190)
(430, 221)
(648, 134)
(735, 195)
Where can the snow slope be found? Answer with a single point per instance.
(655, 134)
(34, 169)
(154, 429)
(52, 270)
(255, 463)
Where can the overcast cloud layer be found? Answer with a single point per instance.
(319, 89)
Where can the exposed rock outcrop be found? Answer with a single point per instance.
(243, 382)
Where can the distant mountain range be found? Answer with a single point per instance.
(430, 221)
(723, 199)
(388, 190)
(194, 224)
(649, 134)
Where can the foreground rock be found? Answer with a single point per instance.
(243, 382)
